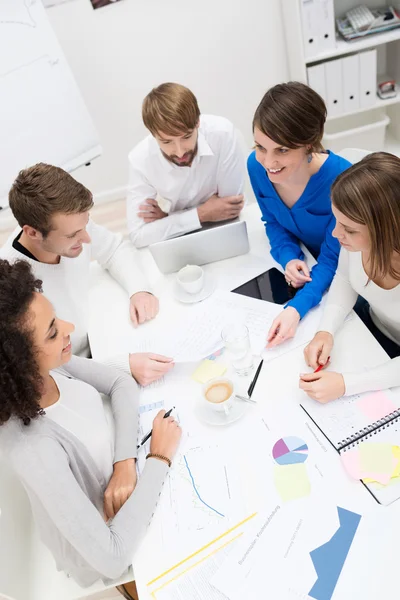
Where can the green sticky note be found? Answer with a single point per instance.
(208, 369)
(291, 481)
(376, 458)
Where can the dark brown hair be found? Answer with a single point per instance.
(20, 379)
(41, 191)
(170, 108)
(368, 193)
(292, 115)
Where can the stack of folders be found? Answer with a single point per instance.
(369, 420)
(318, 26)
(346, 84)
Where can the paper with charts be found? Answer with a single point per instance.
(305, 553)
(203, 501)
(202, 495)
(197, 334)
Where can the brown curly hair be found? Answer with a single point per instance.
(20, 379)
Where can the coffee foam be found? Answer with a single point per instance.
(218, 392)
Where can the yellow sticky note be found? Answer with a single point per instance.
(291, 481)
(208, 369)
(376, 458)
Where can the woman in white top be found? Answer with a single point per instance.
(366, 205)
(80, 478)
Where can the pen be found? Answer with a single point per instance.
(148, 435)
(317, 370)
(253, 383)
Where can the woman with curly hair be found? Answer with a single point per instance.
(80, 479)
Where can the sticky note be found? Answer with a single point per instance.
(291, 481)
(215, 354)
(208, 369)
(376, 406)
(351, 462)
(376, 458)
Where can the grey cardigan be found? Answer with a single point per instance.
(66, 488)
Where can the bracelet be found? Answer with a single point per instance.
(160, 457)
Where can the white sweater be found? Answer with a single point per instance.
(349, 282)
(66, 284)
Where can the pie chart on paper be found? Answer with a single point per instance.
(290, 450)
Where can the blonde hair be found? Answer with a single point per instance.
(170, 108)
(368, 193)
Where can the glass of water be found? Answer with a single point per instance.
(237, 343)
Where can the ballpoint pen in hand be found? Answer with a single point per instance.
(148, 435)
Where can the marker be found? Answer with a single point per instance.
(253, 383)
(148, 435)
(318, 369)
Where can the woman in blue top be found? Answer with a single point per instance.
(291, 175)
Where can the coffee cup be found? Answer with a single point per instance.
(191, 279)
(219, 394)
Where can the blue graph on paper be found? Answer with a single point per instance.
(196, 490)
(329, 558)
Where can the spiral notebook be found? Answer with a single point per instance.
(351, 420)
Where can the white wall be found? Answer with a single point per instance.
(229, 52)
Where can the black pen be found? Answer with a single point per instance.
(148, 435)
(253, 383)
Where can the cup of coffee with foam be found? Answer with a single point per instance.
(191, 279)
(219, 394)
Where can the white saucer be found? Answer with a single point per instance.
(206, 414)
(182, 296)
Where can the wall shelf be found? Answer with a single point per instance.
(343, 47)
(387, 45)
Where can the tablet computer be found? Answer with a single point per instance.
(270, 286)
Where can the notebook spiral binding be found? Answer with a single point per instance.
(367, 432)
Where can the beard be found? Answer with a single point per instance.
(188, 156)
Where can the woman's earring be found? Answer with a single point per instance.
(309, 157)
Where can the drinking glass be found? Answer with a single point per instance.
(237, 343)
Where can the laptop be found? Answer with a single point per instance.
(214, 241)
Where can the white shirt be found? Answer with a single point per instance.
(218, 168)
(66, 284)
(80, 411)
(350, 281)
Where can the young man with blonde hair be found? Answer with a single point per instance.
(190, 169)
(58, 239)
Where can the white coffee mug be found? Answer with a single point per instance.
(191, 279)
(219, 394)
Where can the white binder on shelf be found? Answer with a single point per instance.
(316, 80)
(310, 22)
(334, 87)
(351, 83)
(326, 25)
(368, 78)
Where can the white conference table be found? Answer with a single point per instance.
(278, 398)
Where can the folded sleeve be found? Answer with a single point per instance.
(322, 274)
(143, 234)
(119, 257)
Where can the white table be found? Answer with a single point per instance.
(277, 394)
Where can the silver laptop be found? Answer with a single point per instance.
(214, 241)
